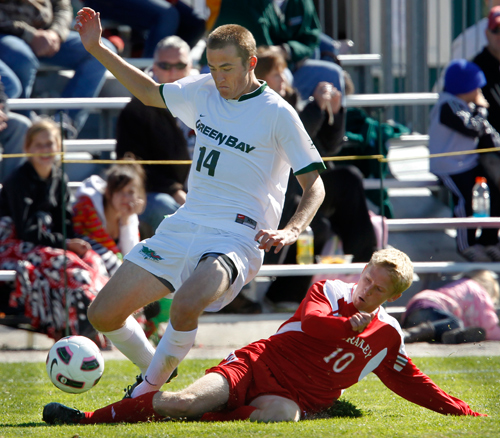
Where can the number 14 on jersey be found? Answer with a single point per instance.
(210, 162)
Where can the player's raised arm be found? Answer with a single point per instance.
(88, 25)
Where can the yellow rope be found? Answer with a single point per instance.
(129, 161)
(378, 157)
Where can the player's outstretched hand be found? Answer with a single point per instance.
(88, 25)
(276, 238)
(360, 320)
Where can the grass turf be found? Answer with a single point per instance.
(368, 409)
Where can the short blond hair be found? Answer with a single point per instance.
(398, 265)
(233, 35)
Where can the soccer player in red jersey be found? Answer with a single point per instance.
(338, 335)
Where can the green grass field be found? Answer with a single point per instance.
(25, 389)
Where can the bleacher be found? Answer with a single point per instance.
(93, 146)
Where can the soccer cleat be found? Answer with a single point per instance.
(172, 376)
(462, 335)
(476, 253)
(423, 332)
(138, 380)
(57, 413)
(493, 252)
(130, 388)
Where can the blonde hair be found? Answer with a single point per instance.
(397, 264)
(487, 281)
(42, 125)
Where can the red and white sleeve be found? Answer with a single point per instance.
(406, 380)
(317, 316)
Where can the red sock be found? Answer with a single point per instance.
(241, 413)
(129, 410)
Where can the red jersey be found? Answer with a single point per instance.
(315, 355)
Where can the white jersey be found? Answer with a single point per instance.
(243, 154)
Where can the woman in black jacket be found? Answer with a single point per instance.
(35, 227)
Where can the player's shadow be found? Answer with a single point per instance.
(340, 409)
(24, 425)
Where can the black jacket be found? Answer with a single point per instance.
(35, 206)
(327, 138)
(491, 69)
(152, 134)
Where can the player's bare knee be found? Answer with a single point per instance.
(93, 315)
(184, 312)
(177, 404)
(276, 411)
(102, 319)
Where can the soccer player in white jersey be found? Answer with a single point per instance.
(339, 334)
(248, 138)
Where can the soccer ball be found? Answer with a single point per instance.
(75, 364)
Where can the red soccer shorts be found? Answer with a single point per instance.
(248, 377)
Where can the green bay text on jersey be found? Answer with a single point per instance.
(227, 140)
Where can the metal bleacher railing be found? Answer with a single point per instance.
(116, 103)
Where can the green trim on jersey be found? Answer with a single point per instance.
(313, 166)
(255, 93)
(161, 94)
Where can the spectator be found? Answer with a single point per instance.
(468, 43)
(489, 62)
(38, 32)
(13, 128)
(461, 311)
(458, 123)
(105, 211)
(105, 214)
(35, 228)
(155, 134)
(339, 335)
(322, 114)
(10, 81)
(156, 18)
(344, 210)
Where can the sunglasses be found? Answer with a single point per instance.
(167, 66)
(495, 31)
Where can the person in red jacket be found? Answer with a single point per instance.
(339, 334)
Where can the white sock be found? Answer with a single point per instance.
(172, 349)
(132, 342)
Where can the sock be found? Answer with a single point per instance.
(242, 413)
(132, 342)
(129, 410)
(172, 349)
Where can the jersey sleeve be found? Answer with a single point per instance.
(295, 143)
(320, 316)
(406, 380)
(467, 123)
(180, 97)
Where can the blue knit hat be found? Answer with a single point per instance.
(463, 76)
